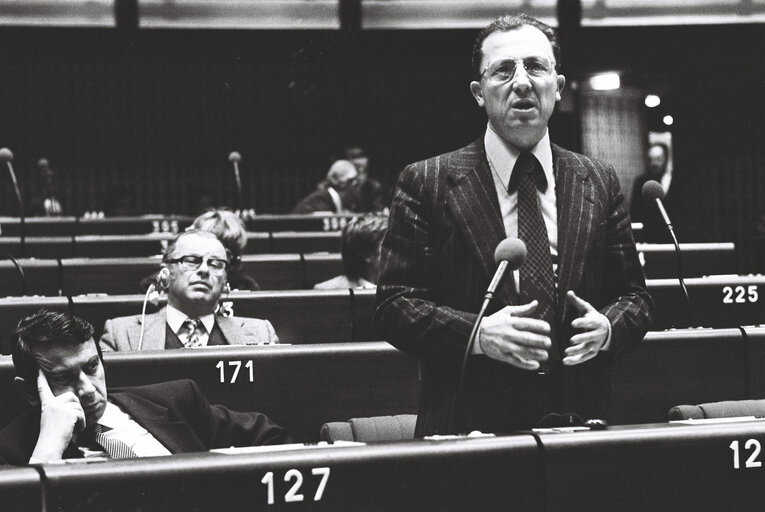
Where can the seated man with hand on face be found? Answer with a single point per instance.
(194, 271)
(60, 369)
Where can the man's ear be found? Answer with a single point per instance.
(477, 92)
(561, 84)
(27, 389)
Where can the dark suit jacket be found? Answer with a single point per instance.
(175, 413)
(438, 259)
(317, 201)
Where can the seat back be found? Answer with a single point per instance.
(372, 429)
(725, 409)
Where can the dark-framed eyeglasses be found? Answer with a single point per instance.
(503, 69)
(191, 263)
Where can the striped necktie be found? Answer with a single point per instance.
(537, 279)
(192, 326)
(114, 447)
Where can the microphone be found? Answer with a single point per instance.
(235, 157)
(7, 157)
(510, 254)
(652, 192)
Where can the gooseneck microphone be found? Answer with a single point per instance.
(7, 157)
(509, 255)
(653, 192)
(235, 157)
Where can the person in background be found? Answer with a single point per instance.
(229, 228)
(194, 273)
(579, 300)
(360, 250)
(60, 370)
(232, 233)
(45, 202)
(654, 229)
(338, 193)
(373, 196)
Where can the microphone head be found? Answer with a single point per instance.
(512, 250)
(235, 157)
(652, 190)
(43, 163)
(6, 155)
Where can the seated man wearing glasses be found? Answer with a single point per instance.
(194, 273)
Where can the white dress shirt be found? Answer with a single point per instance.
(125, 429)
(175, 319)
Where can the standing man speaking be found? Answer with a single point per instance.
(549, 338)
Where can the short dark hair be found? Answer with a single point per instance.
(507, 23)
(201, 232)
(44, 329)
(361, 238)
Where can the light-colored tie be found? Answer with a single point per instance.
(114, 447)
(193, 335)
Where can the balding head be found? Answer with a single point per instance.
(341, 173)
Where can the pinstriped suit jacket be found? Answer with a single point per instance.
(438, 259)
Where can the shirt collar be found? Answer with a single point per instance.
(175, 319)
(502, 156)
(113, 416)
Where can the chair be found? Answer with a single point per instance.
(726, 409)
(368, 430)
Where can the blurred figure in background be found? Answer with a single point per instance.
(338, 193)
(373, 196)
(360, 249)
(45, 200)
(659, 170)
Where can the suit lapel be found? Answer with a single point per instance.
(576, 203)
(231, 327)
(154, 332)
(472, 198)
(177, 436)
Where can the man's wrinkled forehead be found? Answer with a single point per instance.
(520, 42)
(197, 245)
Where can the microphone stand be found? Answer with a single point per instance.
(680, 278)
(7, 157)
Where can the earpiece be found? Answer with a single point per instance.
(227, 289)
(162, 278)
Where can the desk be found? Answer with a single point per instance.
(706, 259)
(716, 301)
(20, 489)
(300, 387)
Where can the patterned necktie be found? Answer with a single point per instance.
(537, 279)
(114, 447)
(191, 326)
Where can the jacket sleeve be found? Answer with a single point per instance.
(407, 312)
(629, 307)
(220, 427)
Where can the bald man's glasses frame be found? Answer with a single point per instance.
(191, 263)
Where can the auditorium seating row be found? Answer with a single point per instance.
(700, 467)
(115, 276)
(315, 316)
(658, 260)
(299, 316)
(124, 246)
(304, 386)
(637, 467)
(77, 226)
